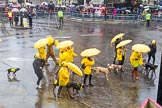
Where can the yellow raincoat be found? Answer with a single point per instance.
(136, 59)
(119, 54)
(72, 54)
(42, 53)
(88, 65)
(50, 50)
(63, 56)
(64, 76)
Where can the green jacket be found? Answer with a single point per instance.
(60, 14)
(148, 16)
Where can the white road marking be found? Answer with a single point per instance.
(63, 37)
(18, 59)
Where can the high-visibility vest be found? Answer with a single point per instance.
(9, 14)
(148, 16)
(60, 14)
(59, 2)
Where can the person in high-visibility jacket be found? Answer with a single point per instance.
(88, 62)
(59, 2)
(10, 17)
(61, 17)
(148, 18)
(72, 54)
(50, 50)
(63, 56)
(136, 60)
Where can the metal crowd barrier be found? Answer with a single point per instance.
(118, 17)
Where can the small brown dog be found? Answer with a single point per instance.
(106, 71)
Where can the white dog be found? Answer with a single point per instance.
(114, 67)
(106, 71)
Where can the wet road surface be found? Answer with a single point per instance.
(17, 50)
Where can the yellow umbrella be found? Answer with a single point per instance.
(116, 37)
(40, 43)
(65, 44)
(90, 52)
(123, 43)
(141, 48)
(74, 68)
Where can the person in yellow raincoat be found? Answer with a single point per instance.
(136, 60)
(42, 53)
(50, 50)
(118, 40)
(72, 54)
(121, 53)
(63, 56)
(88, 62)
(63, 78)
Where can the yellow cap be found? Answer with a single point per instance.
(36, 55)
(153, 42)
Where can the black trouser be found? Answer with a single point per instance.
(39, 74)
(90, 78)
(16, 22)
(115, 56)
(148, 23)
(11, 22)
(149, 57)
(30, 22)
(61, 21)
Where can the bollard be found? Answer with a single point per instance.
(159, 93)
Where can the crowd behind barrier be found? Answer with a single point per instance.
(91, 17)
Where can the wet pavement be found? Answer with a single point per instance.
(17, 50)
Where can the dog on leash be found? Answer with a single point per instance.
(106, 71)
(12, 70)
(76, 87)
(114, 67)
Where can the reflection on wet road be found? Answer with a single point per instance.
(17, 50)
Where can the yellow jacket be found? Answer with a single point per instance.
(72, 54)
(42, 53)
(119, 54)
(63, 56)
(136, 59)
(64, 76)
(88, 65)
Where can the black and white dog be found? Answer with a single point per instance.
(12, 70)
